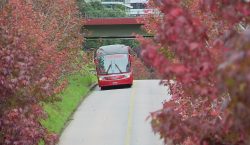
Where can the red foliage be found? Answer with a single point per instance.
(37, 41)
(208, 76)
(21, 126)
(140, 71)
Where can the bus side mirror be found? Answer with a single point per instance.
(130, 57)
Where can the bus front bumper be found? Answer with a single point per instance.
(115, 82)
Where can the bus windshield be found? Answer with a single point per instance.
(113, 64)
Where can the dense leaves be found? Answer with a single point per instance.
(207, 73)
(140, 71)
(37, 42)
(102, 42)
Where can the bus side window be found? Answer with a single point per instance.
(128, 67)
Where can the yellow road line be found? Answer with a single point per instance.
(130, 115)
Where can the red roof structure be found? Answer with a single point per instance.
(114, 21)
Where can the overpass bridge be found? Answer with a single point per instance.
(109, 28)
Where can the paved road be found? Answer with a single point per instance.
(117, 116)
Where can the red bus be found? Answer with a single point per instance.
(113, 66)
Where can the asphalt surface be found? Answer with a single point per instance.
(117, 116)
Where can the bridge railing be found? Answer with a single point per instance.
(89, 16)
(129, 14)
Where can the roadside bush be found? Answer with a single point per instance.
(140, 71)
(38, 41)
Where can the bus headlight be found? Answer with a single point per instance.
(101, 78)
(127, 75)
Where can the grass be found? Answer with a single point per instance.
(59, 112)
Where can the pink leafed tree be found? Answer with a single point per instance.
(201, 49)
(38, 39)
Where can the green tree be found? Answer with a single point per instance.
(96, 9)
(100, 42)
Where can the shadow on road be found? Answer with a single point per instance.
(116, 87)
